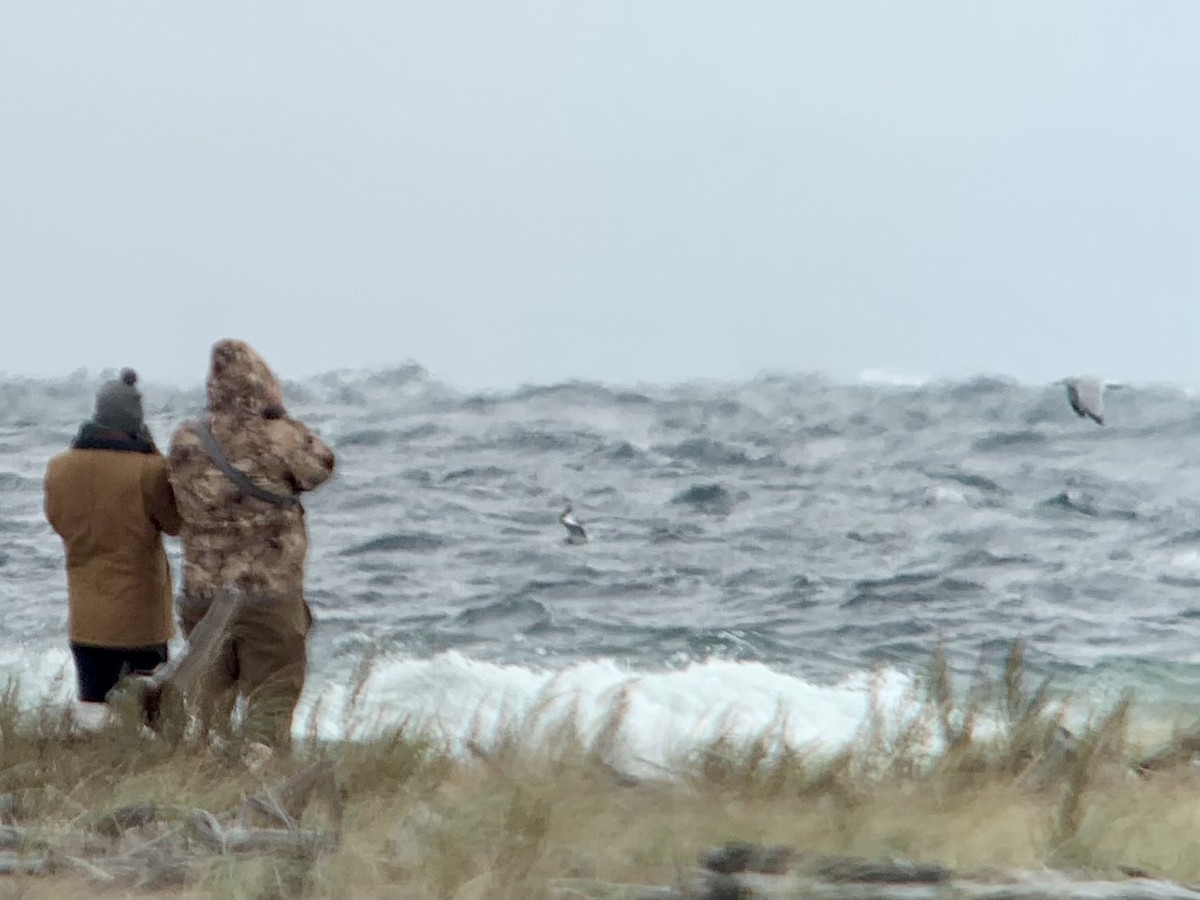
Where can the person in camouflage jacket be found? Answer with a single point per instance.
(237, 543)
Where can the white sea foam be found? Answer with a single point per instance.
(664, 715)
(667, 712)
(41, 674)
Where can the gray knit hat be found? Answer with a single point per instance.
(119, 404)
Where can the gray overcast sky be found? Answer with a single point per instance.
(519, 192)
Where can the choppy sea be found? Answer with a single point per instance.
(779, 550)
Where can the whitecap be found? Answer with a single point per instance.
(668, 713)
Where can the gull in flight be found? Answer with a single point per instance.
(1086, 396)
(575, 532)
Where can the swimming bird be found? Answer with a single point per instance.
(575, 532)
(1086, 397)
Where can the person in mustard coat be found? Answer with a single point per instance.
(238, 472)
(109, 498)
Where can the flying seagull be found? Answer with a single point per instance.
(1086, 397)
(575, 532)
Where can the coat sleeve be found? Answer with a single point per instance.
(158, 497)
(50, 499)
(308, 459)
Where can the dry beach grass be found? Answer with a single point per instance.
(539, 809)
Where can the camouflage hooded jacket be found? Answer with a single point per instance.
(230, 539)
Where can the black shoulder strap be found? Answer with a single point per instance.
(237, 476)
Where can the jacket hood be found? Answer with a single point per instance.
(240, 382)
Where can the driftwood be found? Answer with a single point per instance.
(135, 815)
(742, 871)
(239, 839)
(19, 864)
(283, 803)
(1029, 887)
(159, 845)
(82, 866)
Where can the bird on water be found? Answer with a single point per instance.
(575, 532)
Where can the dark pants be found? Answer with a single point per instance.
(100, 668)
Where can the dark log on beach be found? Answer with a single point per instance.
(1040, 886)
(745, 871)
(853, 870)
(134, 815)
(749, 886)
(1021, 886)
(743, 856)
(736, 857)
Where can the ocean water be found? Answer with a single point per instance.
(768, 553)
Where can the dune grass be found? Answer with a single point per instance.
(983, 781)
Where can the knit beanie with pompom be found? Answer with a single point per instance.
(119, 404)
